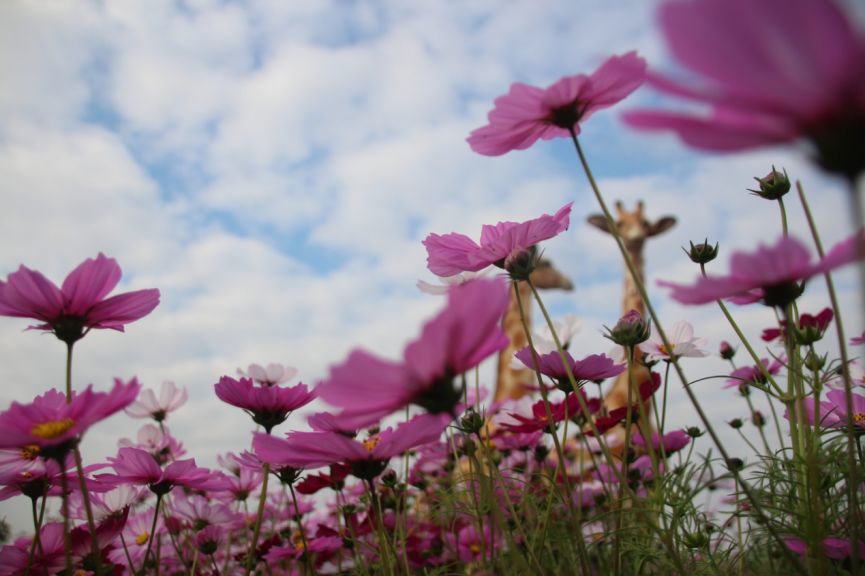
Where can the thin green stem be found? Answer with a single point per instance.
(251, 559)
(854, 517)
(152, 535)
(297, 517)
(758, 508)
(69, 346)
(91, 524)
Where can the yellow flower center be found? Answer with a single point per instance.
(475, 548)
(30, 452)
(858, 418)
(664, 350)
(141, 539)
(371, 442)
(52, 428)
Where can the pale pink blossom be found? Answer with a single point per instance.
(271, 375)
(149, 406)
(681, 338)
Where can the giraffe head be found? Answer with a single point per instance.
(633, 227)
(545, 276)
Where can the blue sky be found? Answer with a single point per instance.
(273, 166)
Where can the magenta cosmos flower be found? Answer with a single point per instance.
(458, 339)
(773, 271)
(268, 405)
(526, 113)
(134, 466)
(367, 458)
(773, 71)
(55, 426)
(507, 245)
(81, 304)
(592, 368)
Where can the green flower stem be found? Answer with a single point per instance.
(783, 215)
(383, 541)
(37, 526)
(152, 535)
(755, 503)
(665, 539)
(91, 524)
(855, 517)
(262, 499)
(306, 558)
(506, 493)
(620, 510)
(69, 372)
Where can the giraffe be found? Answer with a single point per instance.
(634, 228)
(514, 382)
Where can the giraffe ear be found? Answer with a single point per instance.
(599, 222)
(662, 225)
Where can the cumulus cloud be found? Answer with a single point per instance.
(273, 166)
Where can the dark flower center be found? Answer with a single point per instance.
(368, 469)
(69, 329)
(566, 116)
(269, 419)
(441, 396)
(840, 143)
(782, 294)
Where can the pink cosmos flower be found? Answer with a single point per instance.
(681, 337)
(833, 547)
(672, 441)
(135, 466)
(526, 113)
(267, 405)
(272, 375)
(811, 328)
(71, 311)
(56, 426)
(858, 340)
(774, 70)
(835, 409)
(745, 375)
(14, 559)
(592, 368)
(468, 543)
(774, 270)
(502, 244)
(539, 420)
(367, 458)
(158, 441)
(458, 339)
(148, 406)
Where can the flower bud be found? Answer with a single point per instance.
(727, 351)
(693, 432)
(814, 361)
(735, 423)
(520, 264)
(757, 419)
(735, 464)
(702, 253)
(696, 540)
(772, 186)
(471, 422)
(630, 330)
(812, 327)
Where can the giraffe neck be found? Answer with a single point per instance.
(617, 396)
(511, 382)
(631, 299)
